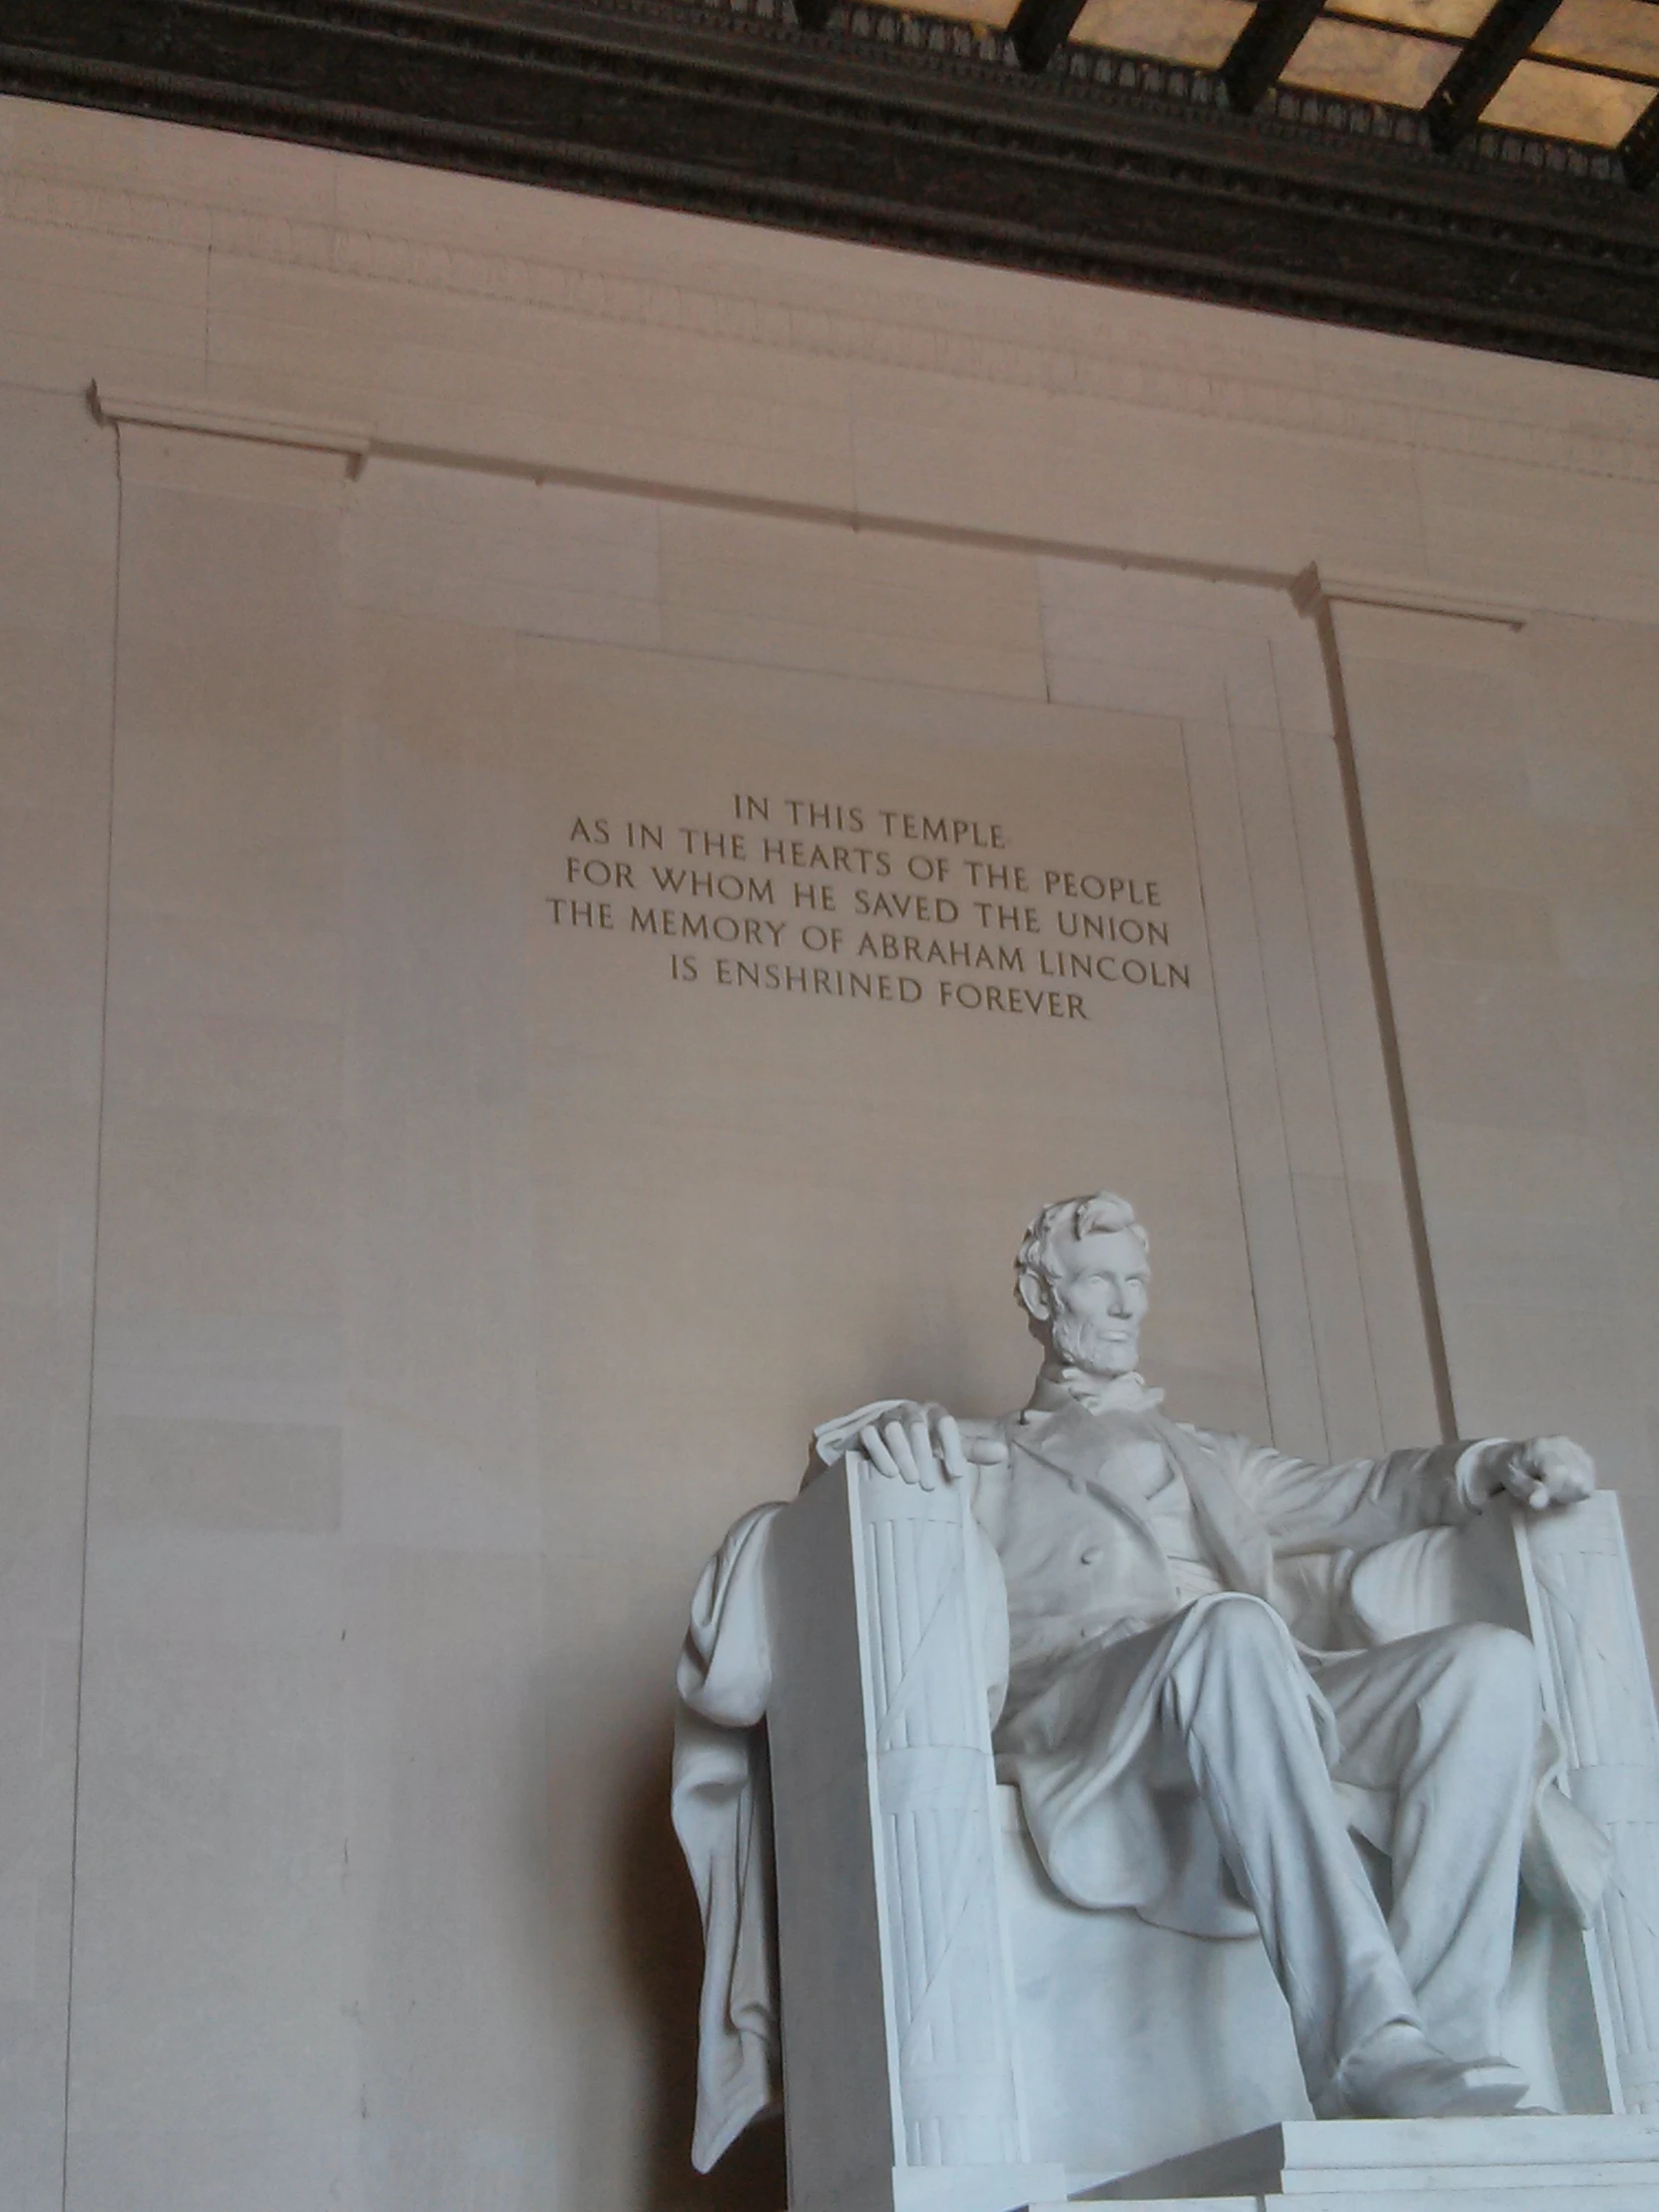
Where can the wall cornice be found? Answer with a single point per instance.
(1264, 383)
(213, 418)
(1314, 591)
(1319, 588)
(1311, 208)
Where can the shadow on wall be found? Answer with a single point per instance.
(663, 1955)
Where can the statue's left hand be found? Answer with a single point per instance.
(1544, 1470)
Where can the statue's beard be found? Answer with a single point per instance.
(1087, 1345)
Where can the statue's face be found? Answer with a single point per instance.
(1098, 1301)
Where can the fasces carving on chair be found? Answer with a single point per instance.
(1216, 1729)
(928, 1723)
(1601, 1701)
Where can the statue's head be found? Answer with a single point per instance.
(1082, 1277)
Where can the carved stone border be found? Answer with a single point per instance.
(738, 113)
(1113, 359)
(115, 405)
(1319, 587)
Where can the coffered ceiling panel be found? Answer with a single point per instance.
(1369, 62)
(1610, 34)
(989, 15)
(1568, 102)
(1202, 32)
(1436, 18)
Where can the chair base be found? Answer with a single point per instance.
(1519, 2164)
(943, 2189)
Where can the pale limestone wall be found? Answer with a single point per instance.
(57, 558)
(1511, 806)
(455, 1281)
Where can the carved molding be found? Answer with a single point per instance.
(258, 427)
(1123, 365)
(1314, 591)
(1319, 587)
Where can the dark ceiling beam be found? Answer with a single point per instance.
(1040, 28)
(1639, 148)
(1481, 68)
(1263, 47)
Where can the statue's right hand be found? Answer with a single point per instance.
(924, 1446)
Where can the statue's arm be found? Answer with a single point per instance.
(1309, 1506)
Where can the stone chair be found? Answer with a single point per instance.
(957, 2035)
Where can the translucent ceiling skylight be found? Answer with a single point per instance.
(1369, 63)
(1198, 31)
(1568, 102)
(1591, 73)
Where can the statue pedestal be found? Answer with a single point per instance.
(1518, 2165)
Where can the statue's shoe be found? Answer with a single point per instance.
(1398, 2074)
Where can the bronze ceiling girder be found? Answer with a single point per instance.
(1640, 150)
(1482, 69)
(1040, 28)
(914, 134)
(1263, 47)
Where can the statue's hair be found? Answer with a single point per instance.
(1069, 1219)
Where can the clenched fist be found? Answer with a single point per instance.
(1540, 1472)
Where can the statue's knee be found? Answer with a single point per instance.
(1242, 1629)
(1495, 1666)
